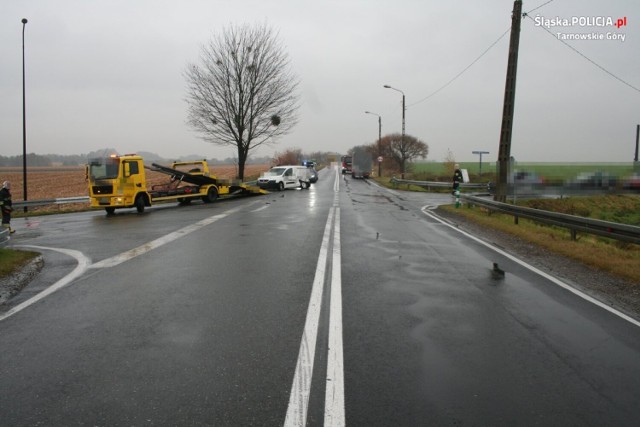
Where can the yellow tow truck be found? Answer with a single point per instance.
(119, 182)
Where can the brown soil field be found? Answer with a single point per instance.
(63, 181)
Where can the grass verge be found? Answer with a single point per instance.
(617, 258)
(12, 260)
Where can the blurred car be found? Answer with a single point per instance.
(527, 178)
(632, 182)
(313, 175)
(594, 180)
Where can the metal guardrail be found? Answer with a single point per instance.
(439, 184)
(613, 230)
(4, 237)
(44, 202)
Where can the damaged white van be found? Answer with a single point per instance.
(281, 177)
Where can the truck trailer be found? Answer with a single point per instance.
(361, 163)
(117, 182)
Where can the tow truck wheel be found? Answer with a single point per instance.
(139, 204)
(211, 196)
(280, 186)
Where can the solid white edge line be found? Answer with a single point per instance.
(301, 386)
(140, 250)
(334, 411)
(83, 264)
(537, 271)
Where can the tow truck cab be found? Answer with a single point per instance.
(117, 181)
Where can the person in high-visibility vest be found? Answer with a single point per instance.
(457, 178)
(5, 205)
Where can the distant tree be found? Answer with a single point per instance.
(293, 156)
(242, 93)
(104, 152)
(449, 162)
(404, 150)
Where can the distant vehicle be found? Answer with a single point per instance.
(281, 177)
(361, 163)
(527, 178)
(345, 161)
(309, 163)
(594, 180)
(632, 182)
(313, 174)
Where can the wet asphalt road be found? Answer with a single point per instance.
(206, 314)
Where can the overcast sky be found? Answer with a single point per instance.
(109, 73)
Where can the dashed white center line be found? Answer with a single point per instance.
(334, 414)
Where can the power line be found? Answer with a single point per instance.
(474, 61)
(584, 56)
(463, 71)
(536, 8)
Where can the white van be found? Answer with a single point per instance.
(281, 177)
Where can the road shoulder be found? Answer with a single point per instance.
(11, 285)
(607, 288)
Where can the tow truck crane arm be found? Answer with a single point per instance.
(184, 176)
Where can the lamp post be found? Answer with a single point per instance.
(24, 124)
(379, 140)
(480, 153)
(403, 109)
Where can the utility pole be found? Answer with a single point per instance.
(636, 164)
(504, 154)
(24, 124)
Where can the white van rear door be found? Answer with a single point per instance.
(290, 178)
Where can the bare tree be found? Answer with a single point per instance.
(242, 93)
(450, 162)
(404, 150)
(292, 156)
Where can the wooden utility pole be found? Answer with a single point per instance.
(636, 163)
(635, 159)
(504, 154)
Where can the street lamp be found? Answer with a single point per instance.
(403, 109)
(24, 124)
(379, 139)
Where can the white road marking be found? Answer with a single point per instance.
(539, 272)
(334, 413)
(83, 264)
(140, 250)
(300, 389)
(260, 208)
